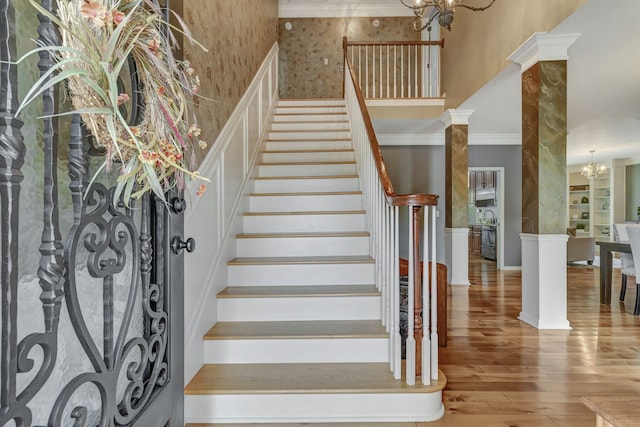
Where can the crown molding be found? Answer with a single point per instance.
(543, 47)
(455, 117)
(338, 9)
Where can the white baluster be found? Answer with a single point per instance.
(409, 71)
(397, 359)
(395, 72)
(411, 342)
(415, 73)
(388, 72)
(434, 298)
(366, 73)
(380, 81)
(426, 341)
(401, 71)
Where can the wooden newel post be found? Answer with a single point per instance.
(417, 290)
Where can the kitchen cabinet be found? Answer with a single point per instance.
(475, 239)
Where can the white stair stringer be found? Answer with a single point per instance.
(299, 337)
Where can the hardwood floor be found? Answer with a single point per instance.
(502, 372)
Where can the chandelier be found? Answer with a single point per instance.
(593, 169)
(442, 9)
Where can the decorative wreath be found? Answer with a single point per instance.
(104, 41)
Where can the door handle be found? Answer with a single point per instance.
(177, 245)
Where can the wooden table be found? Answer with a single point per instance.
(606, 263)
(614, 411)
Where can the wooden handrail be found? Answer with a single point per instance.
(416, 199)
(398, 43)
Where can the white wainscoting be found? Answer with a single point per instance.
(212, 219)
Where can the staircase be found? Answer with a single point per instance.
(299, 337)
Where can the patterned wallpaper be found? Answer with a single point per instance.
(302, 71)
(238, 34)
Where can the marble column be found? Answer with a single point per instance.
(457, 195)
(543, 60)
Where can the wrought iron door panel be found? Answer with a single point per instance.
(92, 298)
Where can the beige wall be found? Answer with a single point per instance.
(303, 49)
(478, 46)
(238, 35)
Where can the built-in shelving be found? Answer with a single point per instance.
(590, 204)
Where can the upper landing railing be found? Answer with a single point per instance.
(382, 206)
(396, 69)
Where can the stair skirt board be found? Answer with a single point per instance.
(303, 350)
(314, 407)
(305, 308)
(300, 274)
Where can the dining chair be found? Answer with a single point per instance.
(634, 241)
(626, 260)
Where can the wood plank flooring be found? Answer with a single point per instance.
(503, 372)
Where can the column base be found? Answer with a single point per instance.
(457, 255)
(544, 281)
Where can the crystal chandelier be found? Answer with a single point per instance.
(442, 9)
(593, 169)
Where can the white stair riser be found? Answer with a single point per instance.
(302, 246)
(306, 103)
(320, 144)
(297, 350)
(319, 117)
(307, 126)
(302, 135)
(325, 169)
(305, 185)
(314, 407)
(311, 110)
(326, 223)
(310, 156)
(301, 274)
(296, 309)
(306, 203)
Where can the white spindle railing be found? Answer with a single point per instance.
(383, 216)
(388, 70)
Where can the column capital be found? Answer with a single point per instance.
(543, 47)
(455, 117)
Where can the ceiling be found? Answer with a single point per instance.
(603, 86)
(603, 92)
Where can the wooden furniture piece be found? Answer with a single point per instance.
(606, 270)
(614, 411)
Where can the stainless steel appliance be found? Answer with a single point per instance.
(488, 242)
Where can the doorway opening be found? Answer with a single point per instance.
(486, 214)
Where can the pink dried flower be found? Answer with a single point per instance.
(201, 190)
(122, 98)
(117, 16)
(94, 11)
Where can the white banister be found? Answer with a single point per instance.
(382, 207)
(404, 75)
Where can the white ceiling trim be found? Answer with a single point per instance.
(402, 139)
(455, 117)
(543, 47)
(340, 9)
